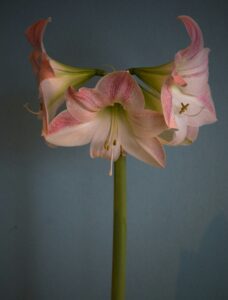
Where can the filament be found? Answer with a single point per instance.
(111, 164)
(26, 106)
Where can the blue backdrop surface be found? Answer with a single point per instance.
(56, 204)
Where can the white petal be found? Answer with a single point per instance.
(181, 133)
(148, 150)
(196, 113)
(147, 123)
(97, 147)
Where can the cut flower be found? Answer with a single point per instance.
(186, 96)
(112, 118)
(185, 93)
(54, 78)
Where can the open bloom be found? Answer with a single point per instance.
(53, 77)
(112, 118)
(185, 94)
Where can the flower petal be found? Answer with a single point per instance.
(64, 130)
(167, 104)
(195, 66)
(121, 87)
(179, 134)
(196, 114)
(77, 108)
(192, 134)
(195, 35)
(38, 57)
(35, 33)
(90, 98)
(148, 150)
(53, 91)
(97, 147)
(52, 94)
(184, 136)
(147, 123)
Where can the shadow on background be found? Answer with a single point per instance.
(203, 275)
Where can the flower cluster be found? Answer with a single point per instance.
(119, 115)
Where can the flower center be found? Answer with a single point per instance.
(194, 111)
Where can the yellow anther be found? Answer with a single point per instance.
(114, 143)
(184, 108)
(106, 146)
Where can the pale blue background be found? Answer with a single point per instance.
(56, 204)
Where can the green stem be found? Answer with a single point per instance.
(119, 230)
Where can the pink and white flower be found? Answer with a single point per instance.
(185, 95)
(112, 118)
(183, 86)
(53, 77)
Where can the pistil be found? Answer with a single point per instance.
(112, 138)
(184, 108)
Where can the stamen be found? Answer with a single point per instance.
(184, 107)
(26, 106)
(106, 146)
(113, 132)
(111, 164)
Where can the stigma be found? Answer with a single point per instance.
(184, 108)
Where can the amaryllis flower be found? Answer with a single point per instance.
(112, 118)
(53, 77)
(185, 94)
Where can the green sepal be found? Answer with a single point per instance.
(62, 69)
(152, 99)
(153, 76)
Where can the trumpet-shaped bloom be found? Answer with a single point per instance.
(53, 77)
(112, 118)
(185, 93)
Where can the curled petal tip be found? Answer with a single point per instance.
(183, 17)
(195, 35)
(35, 32)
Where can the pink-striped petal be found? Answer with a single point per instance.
(35, 33)
(91, 99)
(167, 104)
(196, 37)
(65, 131)
(77, 108)
(121, 87)
(195, 66)
(39, 59)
